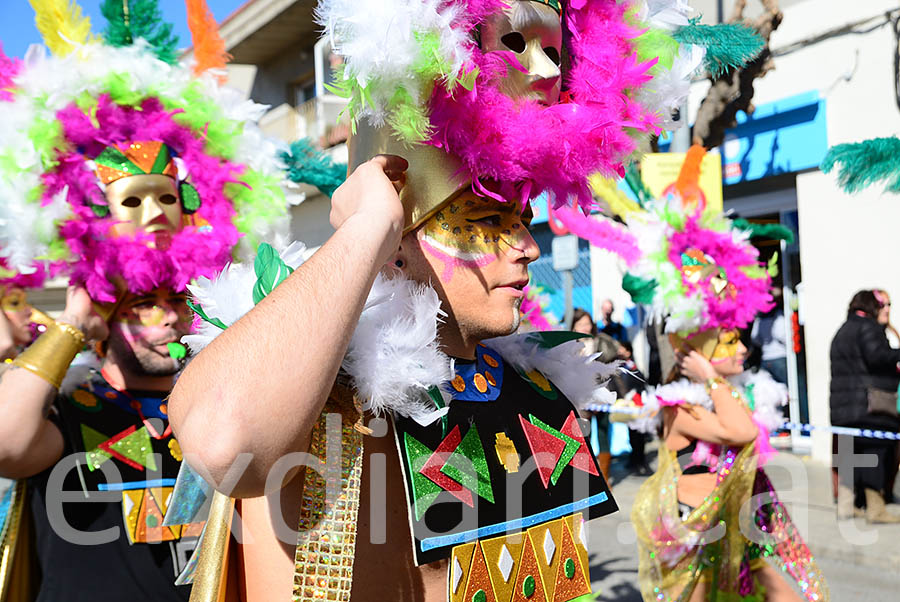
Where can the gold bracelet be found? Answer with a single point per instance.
(714, 383)
(50, 355)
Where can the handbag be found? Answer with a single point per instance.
(882, 402)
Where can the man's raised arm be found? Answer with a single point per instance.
(29, 442)
(260, 386)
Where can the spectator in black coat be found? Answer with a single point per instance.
(610, 327)
(864, 380)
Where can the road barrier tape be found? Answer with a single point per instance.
(793, 426)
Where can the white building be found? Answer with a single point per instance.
(835, 81)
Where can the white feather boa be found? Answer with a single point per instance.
(380, 41)
(394, 356)
(769, 396)
(579, 377)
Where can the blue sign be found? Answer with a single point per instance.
(785, 136)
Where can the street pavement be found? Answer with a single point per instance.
(859, 561)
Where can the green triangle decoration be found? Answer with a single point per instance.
(569, 451)
(137, 448)
(424, 490)
(470, 454)
(92, 438)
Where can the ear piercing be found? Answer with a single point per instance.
(399, 263)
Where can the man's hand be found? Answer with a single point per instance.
(80, 313)
(371, 196)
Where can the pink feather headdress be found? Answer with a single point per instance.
(434, 85)
(697, 270)
(554, 149)
(199, 249)
(9, 67)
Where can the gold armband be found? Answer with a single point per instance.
(714, 383)
(50, 355)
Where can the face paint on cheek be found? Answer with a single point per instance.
(459, 239)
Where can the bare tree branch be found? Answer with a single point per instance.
(733, 91)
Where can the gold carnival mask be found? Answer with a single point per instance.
(714, 344)
(145, 202)
(532, 31)
(13, 299)
(140, 182)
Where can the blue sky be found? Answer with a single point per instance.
(17, 29)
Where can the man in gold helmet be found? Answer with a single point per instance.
(487, 478)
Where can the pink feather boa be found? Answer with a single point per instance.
(532, 312)
(753, 293)
(602, 233)
(33, 280)
(531, 148)
(194, 252)
(9, 68)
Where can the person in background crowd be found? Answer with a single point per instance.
(770, 333)
(630, 385)
(884, 318)
(864, 380)
(608, 349)
(610, 327)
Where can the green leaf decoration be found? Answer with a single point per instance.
(641, 290)
(728, 45)
(270, 270)
(199, 311)
(549, 339)
(865, 163)
(129, 20)
(773, 265)
(190, 198)
(177, 351)
(308, 165)
(773, 231)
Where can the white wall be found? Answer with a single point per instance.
(846, 244)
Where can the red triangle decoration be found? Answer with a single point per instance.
(584, 459)
(545, 448)
(432, 468)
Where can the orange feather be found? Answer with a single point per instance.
(209, 47)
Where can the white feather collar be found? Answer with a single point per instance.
(394, 357)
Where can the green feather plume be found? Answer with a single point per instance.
(773, 231)
(128, 20)
(307, 165)
(637, 186)
(641, 290)
(865, 163)
(728, 45)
